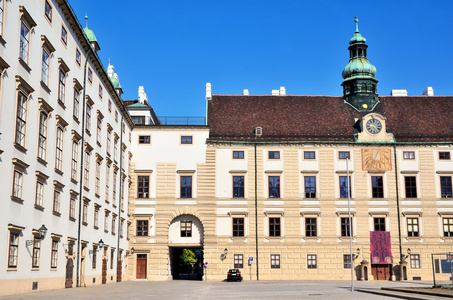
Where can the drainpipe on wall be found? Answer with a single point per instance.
(398, 205)
(256, 218)
(120, 202)
(82, 141)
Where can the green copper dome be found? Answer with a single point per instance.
(358, 66)
(88, 32)
(115, 82)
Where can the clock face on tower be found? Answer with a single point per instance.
(373, 126)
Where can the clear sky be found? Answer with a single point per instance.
(174, 47)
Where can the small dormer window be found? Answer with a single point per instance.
(258, 131)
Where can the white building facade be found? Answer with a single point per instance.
(64, 153)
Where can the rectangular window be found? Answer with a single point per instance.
(107, 182)
(379, 224)
(347, 261)
(42, 141)
(72, 208)
(13, 249)
(110, 105)
(186, 186)
(106, 221)
(88, 118)
(97, 188)
(24, 42)
(85, 213)
(238, 226)
(186, 139)
(412, 227)
(344, 191)
(61, 85)
(109, 140)
(312, 261)
(76, 104)
(274, 186)
(90, 75)
(238, 186)
(144, 139)
(59, 149)
(78, 57)
(378, 186)
(437, 266)
(86, 174)
(113, 225)
(115, 149)
(408, 154)
(36, 252)
(39, 194)
(310, 227)
(115, 174)
(54, 254)
(112, 254)
(445, 186)
(344, 155)
(310, 186)
(411, 186)
(94, 258)
(48, 11)
(238, 154)
(415, 261)
(448, 227)
(143, 187)
(75, 150)
(444, 155)
(274, 154)
(56, 201)
(309, 154)
(142, 227)
(274, 227)
(17, 184)
(1, 17)
(64, 35)
(238, 261)
(186, 228)
(345, 226)
(96, 217)
(98, 131)
(275, 261)
(21, 119)
(45, 67)
(100, 91)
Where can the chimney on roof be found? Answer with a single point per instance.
(208, 91)
(282, 90)
(398, 93)
(275, 92)
(142, 95)
(245, 92)
(428, 91)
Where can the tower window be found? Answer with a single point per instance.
(360, 52)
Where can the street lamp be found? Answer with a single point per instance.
(101, 245)
(42, 231)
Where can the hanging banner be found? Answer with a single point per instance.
(381, 247)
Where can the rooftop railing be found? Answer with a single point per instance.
(168, 120)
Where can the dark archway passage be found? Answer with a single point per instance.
(185, 271)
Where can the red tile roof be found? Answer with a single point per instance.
(326, 118)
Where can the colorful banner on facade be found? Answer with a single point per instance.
(381, 247)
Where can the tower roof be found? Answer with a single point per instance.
(89, 33)
(357, 38)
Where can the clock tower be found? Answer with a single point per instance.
(359, 85)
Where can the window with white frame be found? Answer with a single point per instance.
(13, 248)
(446, 187)
(115, 175)
(74, 157)
(107, 182)
(275, 261)
(115, 148)
(98, 130)
(39, 193)
(54, 254)
(97, 188)
(45, 66)
(48, 11)
(59, 149)
(21, 119)
(86, 173)
(2, 3)
(412, 227)
(17, 184)
(76, 103)
(42, 139)
(88, 117)
(96, 216)
(72, 207)
(113, 224)
(85, 213)
(109, 139)
(238, 261)
(56, 201)
(415, 261)
(36, 252)
(312, 261)
(106, 221)
(78, 57)
(64, 35)
(24, 42)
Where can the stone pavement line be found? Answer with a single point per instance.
(448, 293)
(183, 289)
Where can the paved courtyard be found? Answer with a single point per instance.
(183, 289)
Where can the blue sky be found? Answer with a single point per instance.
(173, 48)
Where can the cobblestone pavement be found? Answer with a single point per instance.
(183, 289)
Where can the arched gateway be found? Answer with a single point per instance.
(185, 243)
